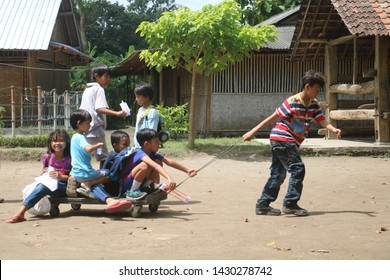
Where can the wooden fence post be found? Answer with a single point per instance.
(39, 97)
(67, 110)
(331, 77)
(13, 111)
(55, 113)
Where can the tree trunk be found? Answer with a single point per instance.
(191, 132)
(81, 6)
(83, 36)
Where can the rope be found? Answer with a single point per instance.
(224, 152)
(43, 69)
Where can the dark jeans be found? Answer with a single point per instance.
(285, 157)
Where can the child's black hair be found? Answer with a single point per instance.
(312, 77)
(100, 70)
(79, 116)
(145, 90)
(117, 135)
(57, 133)
(146, 134)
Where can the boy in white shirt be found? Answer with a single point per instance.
(94, 101)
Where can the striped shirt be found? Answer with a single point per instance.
(295, 119)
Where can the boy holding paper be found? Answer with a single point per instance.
(94, 101)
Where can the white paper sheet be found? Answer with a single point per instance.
(125, 108)
(45, 180)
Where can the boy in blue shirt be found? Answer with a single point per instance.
(147, 116)
(139, 167)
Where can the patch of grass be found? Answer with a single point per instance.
(22, 154)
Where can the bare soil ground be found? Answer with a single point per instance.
(348, 198)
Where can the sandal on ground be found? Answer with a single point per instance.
(119, 206)
(15, 219)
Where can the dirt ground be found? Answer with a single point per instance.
(348, 198)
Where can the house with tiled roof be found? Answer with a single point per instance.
(351, 37)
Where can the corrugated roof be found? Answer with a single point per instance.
(284, 28)
(27, 24)
(283, 41)
(365, 17)
(275, 19)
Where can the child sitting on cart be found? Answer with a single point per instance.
(119, 141)
(82, 170)
(136, 168)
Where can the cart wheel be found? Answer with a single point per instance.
(54, 211)
(75, 206)
(136, 211)
(153, 207)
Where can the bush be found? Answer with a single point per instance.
(35, 141)
(175, 119)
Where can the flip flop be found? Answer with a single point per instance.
(15, 219)
(119, 206)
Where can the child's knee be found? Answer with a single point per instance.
(141, 168)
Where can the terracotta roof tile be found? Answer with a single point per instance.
(365, 17)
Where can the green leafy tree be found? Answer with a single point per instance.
(203, 42)
(111, 26)
(256, 11)
(175, 119)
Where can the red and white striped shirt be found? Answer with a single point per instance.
(295, 119)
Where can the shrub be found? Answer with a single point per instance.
(175, 119)
(24, 141)
(34, 141)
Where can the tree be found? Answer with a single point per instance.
(151, 10)
(111, 26)
(256, 11)
(203, 42)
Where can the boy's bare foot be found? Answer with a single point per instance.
(85, 186)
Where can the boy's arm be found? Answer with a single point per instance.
(327, 125)
(178, 166)
(91, 148)
(106, 111)
(160, 169)
(249, 135)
